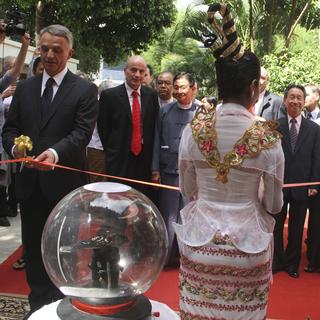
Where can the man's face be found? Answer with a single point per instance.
(182, 91)
(263, 80)
(147, 78)
(164, 86)
(39, 68)
(294, 102)
(135, 72)
(312, 99)
(55, 52)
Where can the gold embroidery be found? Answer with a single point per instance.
(260, 136)
(221, 239)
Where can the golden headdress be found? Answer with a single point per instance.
(224, 41)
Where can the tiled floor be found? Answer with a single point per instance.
(10, 238)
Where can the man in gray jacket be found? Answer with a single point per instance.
(171, 121)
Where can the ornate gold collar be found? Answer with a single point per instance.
(259, 136)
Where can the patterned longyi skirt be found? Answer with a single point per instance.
(220, 282)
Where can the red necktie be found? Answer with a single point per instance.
(136, 125)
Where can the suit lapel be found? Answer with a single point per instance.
(286, 133)
(63, 90)
(265, 103)
(124, 99)
(36, 106)
(143, 102)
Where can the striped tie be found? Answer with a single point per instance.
(293, 133)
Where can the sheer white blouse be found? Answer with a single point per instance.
(239, 207)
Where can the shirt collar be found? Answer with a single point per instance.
(184, 106)
(298, 118)
(130, 90)
(314, 113)
(57, 78)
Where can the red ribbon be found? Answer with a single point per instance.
(158, 185)
(30, 160)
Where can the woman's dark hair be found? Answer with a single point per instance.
(185, 75)
(235, 76)
(36, 61)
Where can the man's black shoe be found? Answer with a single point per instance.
(293, 273)
(11, 212)
(311, 269)
(4, 222)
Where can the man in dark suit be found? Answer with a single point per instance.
(126, 125)
(311, 111)
(57, 110)
(301, 146)
(269, 106)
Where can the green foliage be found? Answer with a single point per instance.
(110, 28)
(179, 49)
(311, 19)
(286, 67)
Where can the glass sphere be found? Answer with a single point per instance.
(104, 242)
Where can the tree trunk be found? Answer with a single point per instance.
(269, 9)
(291, 17)
(251, 26)
(304, 10)
(39, 20)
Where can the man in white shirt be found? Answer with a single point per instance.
(126, 129)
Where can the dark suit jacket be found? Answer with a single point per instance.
(302, 165)
(271, 107)
(114, 127)
(67, 128)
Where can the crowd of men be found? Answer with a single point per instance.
(134, 131)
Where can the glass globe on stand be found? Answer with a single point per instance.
(104, 244)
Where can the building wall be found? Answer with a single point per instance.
(12, 48)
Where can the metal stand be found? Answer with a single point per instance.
(140, 310)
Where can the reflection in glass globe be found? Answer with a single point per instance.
(104, 242)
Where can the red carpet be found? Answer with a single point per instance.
(290, 299)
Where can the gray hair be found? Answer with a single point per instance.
(59, 31)
(105, 84)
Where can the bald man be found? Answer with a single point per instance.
(269, 106)
(126, 125)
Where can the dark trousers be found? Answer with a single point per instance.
(12, 199)
(96, 163)
(3, 201)
(170, 204)
(138, 170)
(313, 235)
(290, 257)
(34, 214)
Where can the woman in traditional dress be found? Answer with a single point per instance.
(233, 165)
